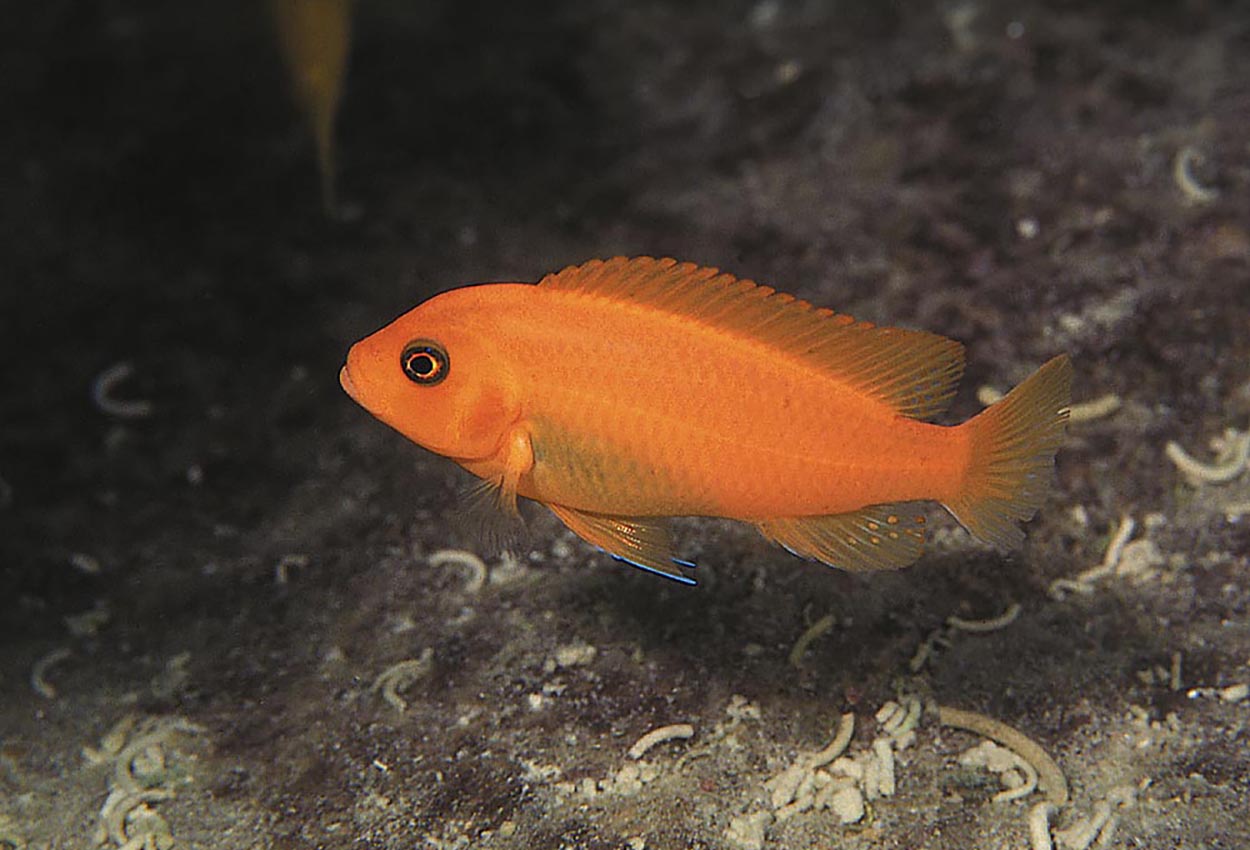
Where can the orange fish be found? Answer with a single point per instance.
(622, 392)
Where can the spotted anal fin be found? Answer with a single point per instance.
(880, 537)
(639, 541)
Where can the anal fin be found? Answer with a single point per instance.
(879, 537)
(642, 542)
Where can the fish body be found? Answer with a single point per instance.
(622, 392)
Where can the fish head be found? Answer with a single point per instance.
(435, 376)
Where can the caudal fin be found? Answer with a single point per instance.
(1013, 445)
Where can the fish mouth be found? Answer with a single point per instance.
(345, 381)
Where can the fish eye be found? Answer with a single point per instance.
(425, 362)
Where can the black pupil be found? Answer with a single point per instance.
(422, 364)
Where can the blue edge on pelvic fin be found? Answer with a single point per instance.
(677, 577)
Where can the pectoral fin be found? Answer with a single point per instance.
(485, 517)
(491, 503)
(880, 537)
(640, 541)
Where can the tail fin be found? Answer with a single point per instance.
(1013, 445)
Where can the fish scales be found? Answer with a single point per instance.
(729, 427)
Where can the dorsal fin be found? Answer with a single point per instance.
(912, 371)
